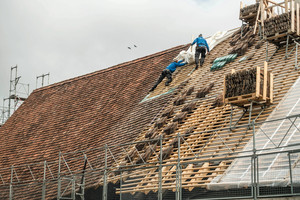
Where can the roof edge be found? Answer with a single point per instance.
(109, 68)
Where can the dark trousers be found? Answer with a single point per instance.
(200, 50)
(164, 73)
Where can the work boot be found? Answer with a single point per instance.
(167, 83)
(196, 67)
(152, 89)
(201, 62)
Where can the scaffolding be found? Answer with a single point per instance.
(42, 77)
(18, 92)
(74, 172)
(71, 179)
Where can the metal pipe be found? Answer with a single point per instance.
(252, 178)
(250, 113)
(287, 132)
(291, 173)
(121, 185)
(104, 192)
(73, 190)
(11, 184)
(257, 175)
(59, 178)
(178, 172)
(160, 170)
(253, 163)
(44, 182)
(286, 47)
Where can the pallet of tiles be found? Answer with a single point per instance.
(277, 27)
(249, 13)
(243, 86)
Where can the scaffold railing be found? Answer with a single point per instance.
(274, 165)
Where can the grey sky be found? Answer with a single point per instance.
(69, 38)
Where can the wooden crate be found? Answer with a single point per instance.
(277, 26)
(263, 89)
(248, 13)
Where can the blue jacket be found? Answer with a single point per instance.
(172, 67)
(201, 42)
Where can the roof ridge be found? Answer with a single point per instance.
(110, 68)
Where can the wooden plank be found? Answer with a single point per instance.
(187, 172)
(271, 87)
(168, 173)
(277, 4)
(152, 180)
(286, 6)
(265, 81)
(292, 16)
(198, 176)
(262, 14)
(257, 82)
(256, 21)
(298, 20)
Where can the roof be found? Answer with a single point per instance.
(82, 113)
(113, 106)
(206, 152)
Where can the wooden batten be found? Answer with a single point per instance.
(297, 19)
(257, 82)
(256, 21)
(265, 87)
(262, 14)
(292, 16)
(271, 87)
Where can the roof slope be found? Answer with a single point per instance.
(104, 107)
(209, 147)
(82, 113)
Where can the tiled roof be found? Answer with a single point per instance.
(209, 141)
(83, 113)
(105, 107)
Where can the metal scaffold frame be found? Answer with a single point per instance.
(42, 77)
(75, 178)
(18, 92)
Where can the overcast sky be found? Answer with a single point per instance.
(69, 38)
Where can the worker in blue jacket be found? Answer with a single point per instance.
(168, 73)
(200, 49)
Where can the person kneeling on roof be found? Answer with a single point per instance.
(168, 73)
(200, 49)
